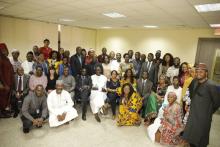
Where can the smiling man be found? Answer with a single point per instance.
(60, 106)
(205, 100)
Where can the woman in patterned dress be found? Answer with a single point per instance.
(130, 104)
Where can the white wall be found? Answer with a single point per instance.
(24, 34)
(179, 42)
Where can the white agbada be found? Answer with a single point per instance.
(59, 103)
(97, 97)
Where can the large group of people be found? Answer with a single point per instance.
(175, 100)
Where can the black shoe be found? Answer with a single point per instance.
(84, 117)
(26, 130)
(4, 115)
(15, 115)
(97, 118)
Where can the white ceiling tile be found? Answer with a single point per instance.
(89, 13)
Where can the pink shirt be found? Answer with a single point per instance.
(34, 81)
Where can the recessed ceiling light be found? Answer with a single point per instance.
(215, 25)
(150, 26)
(114, 15)
(106, 27)
(66, 19)
(208, 7)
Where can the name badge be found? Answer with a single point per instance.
(38, 111)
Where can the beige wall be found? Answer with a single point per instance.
(23, 34)
(179, 42)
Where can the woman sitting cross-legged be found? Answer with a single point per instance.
(130, 104)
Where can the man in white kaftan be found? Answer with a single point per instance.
(98, 92)
(98, 97)
(60, 106)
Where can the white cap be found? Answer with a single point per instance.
(15, 50)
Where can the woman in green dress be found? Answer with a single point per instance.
(155, 100)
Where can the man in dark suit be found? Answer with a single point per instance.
(77, 61)
(144, 87)
(150, 67)
(83, 89)
(20, 90)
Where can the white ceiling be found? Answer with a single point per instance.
(88, 13)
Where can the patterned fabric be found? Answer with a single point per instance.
(123, 81)
(54, 63)
(124, 66)
(128, 113)
(171, 125)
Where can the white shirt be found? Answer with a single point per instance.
(21, 82)
(27, 66)
(149, 65)
(114, 64)
(171, 72)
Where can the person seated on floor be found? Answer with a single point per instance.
(20, 90)
(68, 82)
(130, 105)
(34, 109)
(83, 89)
(167, 127)
(60, 106)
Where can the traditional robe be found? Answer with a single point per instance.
(171, 125)
(97, 97)
(205, 100)
(6, 78)
(57, 105)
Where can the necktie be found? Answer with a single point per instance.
(149, 66)
(19, 85)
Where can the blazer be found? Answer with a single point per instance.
(146, 90)
(25, 84)
(76, 65)
(152, 71)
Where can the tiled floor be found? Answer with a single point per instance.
(85, 134)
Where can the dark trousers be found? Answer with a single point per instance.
(16, 104)
(84, 98)
(192, 145)
(112, 97)
(27, 124)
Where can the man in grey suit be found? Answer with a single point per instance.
(34, 109)
(150, 67)
(144, 87)
(20, 90)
